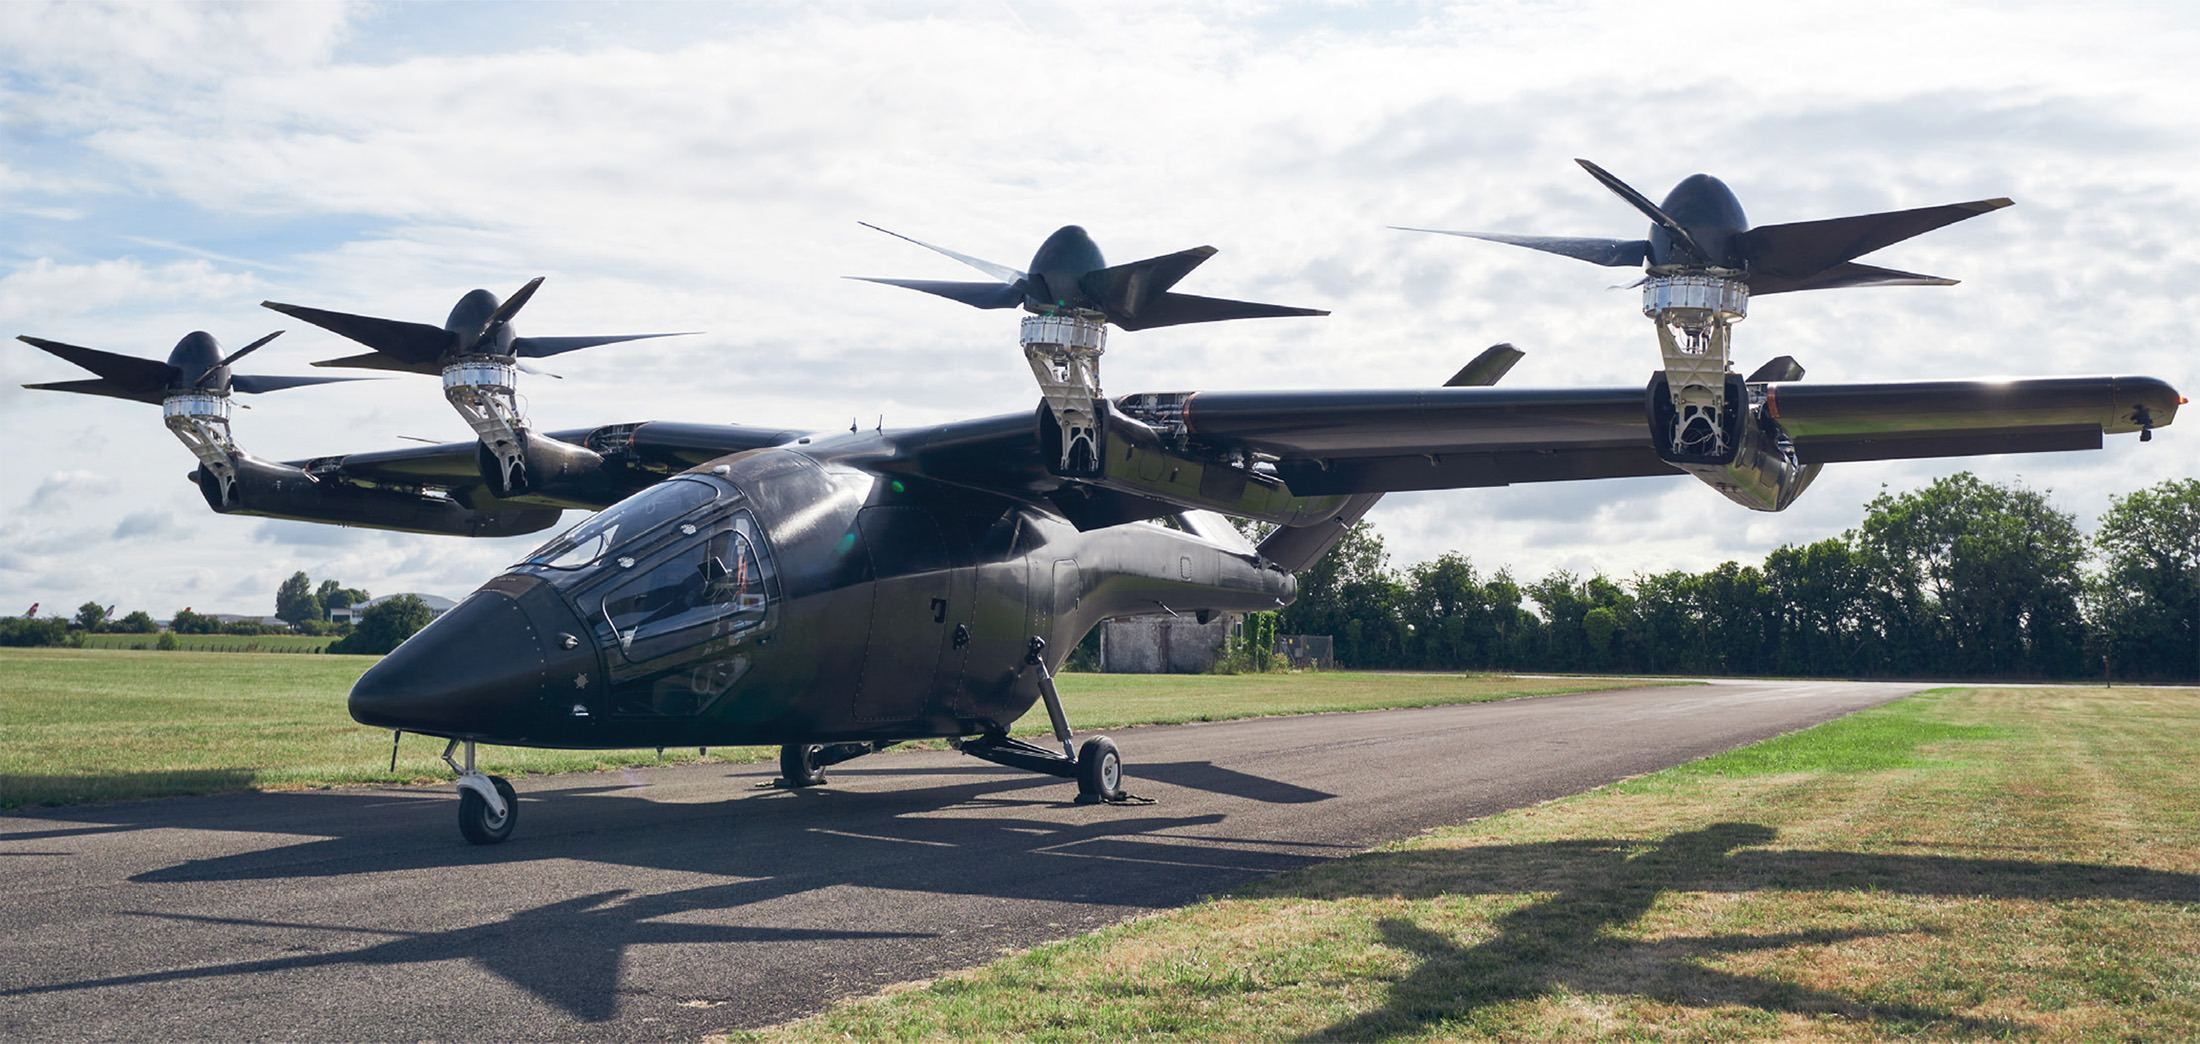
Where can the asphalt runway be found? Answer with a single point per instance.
(671, 903)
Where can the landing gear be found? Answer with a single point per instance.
(803, 764)
(1097, 766)
(1099, 771)
(487, 807)
(798, 765)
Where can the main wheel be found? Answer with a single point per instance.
(798, 764)
(1099, 770)
(481, 826)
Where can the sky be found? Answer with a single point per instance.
(166, 167)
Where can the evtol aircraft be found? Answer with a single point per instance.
(834, 593)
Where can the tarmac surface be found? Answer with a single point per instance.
(672, 903)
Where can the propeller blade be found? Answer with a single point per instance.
(1127, 289)
(1611, 253)
(101, 386)
(254, 384)
(239, 354)
(1846, 274)
(1179, 309)
(1487, 368)
(1656, 214)
(1784, 368)
(504, 313)
(998, 271)
(248, 349)
(976, 295)
(379, 361)
(524, 368)
(402, 341)
(1806, 248)
(133, 377)
(538, 347)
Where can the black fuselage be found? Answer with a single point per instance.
(790, 595)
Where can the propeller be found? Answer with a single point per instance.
(479, 325)
(1068, 274)
(196, 365)
(1700, 225)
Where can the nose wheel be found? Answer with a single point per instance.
(487, 807)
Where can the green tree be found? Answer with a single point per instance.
(295, 602)
(384, 625)
(336, 596)
(2146, 601)
(89, 616)
(1351, 595)
(188, 622)
(1976, 578)
(138, 622)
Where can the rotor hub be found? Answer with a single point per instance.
(202, 405)
(1696, 299)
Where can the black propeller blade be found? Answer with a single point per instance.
(1068, 273)
(478, 325)
(1657, 215)
(196, 365)
(1700, 225)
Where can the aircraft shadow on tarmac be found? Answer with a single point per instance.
(1568, 941)
(961, 836)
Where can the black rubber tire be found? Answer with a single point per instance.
(798, 765)
(477, 824)
(1099, 770)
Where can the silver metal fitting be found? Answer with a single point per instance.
(1695, 313)
(1064, 351)
(200, 420)
(484, 390)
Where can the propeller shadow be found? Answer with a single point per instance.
(1569, 940)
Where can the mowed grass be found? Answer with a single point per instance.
(82, 725)
(2008, 863)
(268, 643)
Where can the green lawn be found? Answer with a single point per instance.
(269, 643)
(2003, 863)
(91, 725)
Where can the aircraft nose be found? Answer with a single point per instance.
(483, 670)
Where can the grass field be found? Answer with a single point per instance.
(94, 725)
(2008, 863)
(254, 643)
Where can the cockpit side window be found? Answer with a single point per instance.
(706, 590)
(621, 523)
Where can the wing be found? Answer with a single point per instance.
(442, 488)
(1294, 457)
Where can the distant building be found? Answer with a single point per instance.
(1162, 644)
(437, 606)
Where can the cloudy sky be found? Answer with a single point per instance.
(166, 167)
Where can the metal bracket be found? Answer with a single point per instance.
(484, 391)
(1064, 351)
(470, 778)
(201, 421)
(1695, 314)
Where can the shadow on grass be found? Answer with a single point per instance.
(1568, 942)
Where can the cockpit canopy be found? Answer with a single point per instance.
(677, 579)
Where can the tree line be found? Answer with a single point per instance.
(1963, 578)
(298, 603)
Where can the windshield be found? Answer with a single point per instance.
(622, 522)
